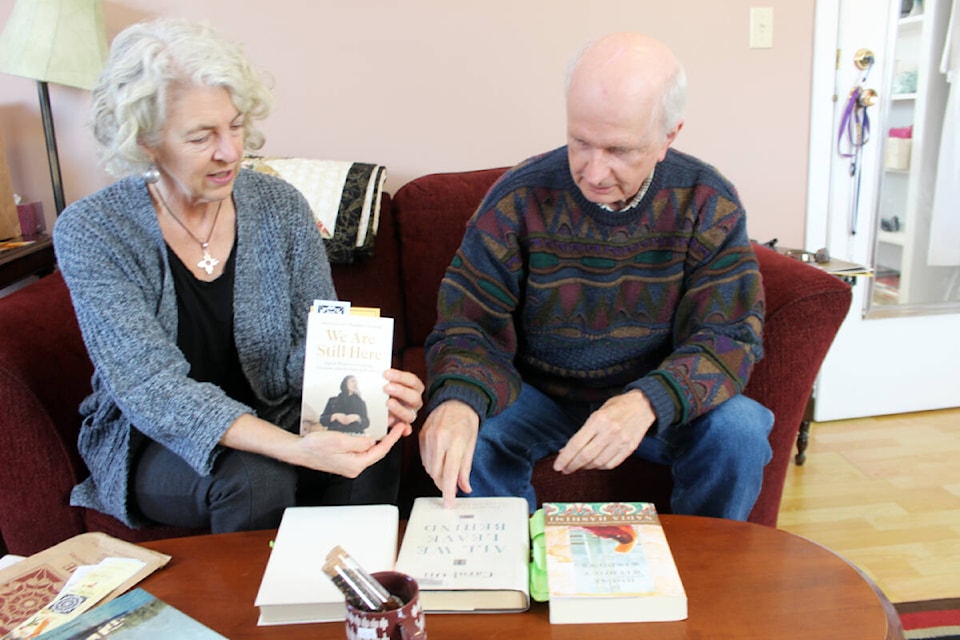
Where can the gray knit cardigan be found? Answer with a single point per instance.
(114, 260)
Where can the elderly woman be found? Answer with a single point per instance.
(192, 279)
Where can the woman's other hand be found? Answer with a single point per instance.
(405, 391)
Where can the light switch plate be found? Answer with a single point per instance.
(761, 27)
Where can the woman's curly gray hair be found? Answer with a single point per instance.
(146, 60)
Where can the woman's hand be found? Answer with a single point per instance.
(331, 451)
(406, 398)
(342, 453)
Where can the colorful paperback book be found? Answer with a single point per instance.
(610, 562)
(136, 614)
(347, 351)
(474, 556)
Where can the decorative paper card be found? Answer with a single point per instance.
(31, 583)
(87, 586)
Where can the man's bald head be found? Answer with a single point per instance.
(625, 99)
(632, 71)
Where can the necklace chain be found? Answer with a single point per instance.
(207, 262)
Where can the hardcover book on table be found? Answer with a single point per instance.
(610, 562)
(474, 556)
(294, 588)
(347, 351)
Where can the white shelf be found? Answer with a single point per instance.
(898, 238)
(911, 21)
(905, 194)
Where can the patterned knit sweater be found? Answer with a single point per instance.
(114, 260)
(584, 303)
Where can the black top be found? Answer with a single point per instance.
(349, 404)
(205, 327)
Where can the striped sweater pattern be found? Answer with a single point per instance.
(585, 303)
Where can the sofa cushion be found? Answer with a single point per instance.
(431, 213)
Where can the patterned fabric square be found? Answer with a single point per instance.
(344, 198)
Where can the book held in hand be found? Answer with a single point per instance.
(347, 351)
(474, 556)
(294, 588)
(610, 562)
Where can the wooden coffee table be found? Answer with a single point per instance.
(742, 581)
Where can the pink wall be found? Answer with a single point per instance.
(425, 86)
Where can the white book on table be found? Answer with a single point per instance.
(294, 588)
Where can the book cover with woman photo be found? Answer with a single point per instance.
(346, 355)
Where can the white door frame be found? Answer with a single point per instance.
(875, 366)
(822, 92)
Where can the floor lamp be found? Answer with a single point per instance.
(60, 41)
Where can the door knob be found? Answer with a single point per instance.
(867, 98)
(863, 59)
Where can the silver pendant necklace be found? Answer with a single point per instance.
(207, 262)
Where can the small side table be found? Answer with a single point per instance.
(34, 259)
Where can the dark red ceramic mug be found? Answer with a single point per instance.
(405, 623)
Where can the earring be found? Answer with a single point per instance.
(151, 174)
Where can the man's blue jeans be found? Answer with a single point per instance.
(716, 460)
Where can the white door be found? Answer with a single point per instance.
(899, 348)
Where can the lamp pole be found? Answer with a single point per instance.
(52, 157)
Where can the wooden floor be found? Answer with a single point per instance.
(884, 493)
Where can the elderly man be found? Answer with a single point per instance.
(605, 302)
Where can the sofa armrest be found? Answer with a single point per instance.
(36, 474)
(804, 310)
(44, 375)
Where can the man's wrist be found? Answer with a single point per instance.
(662, 398)
(469, 394)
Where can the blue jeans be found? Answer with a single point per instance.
(716, 460)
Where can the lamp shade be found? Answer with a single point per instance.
(59, 41)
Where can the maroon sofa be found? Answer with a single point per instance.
(45, 372)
